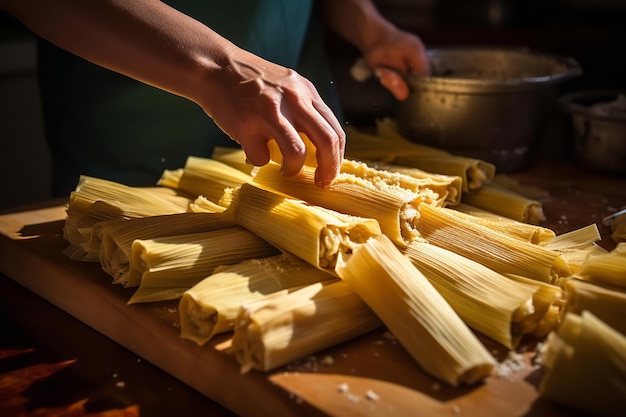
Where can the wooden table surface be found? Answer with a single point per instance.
(35, 332)
(117, 376)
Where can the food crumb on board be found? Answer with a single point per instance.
(513, 364)
(308, 364)
(343, 387)
(390, 337)
(118, 384)
(375, 353)
(371, 395)
(311, 363)
(327, 360)
(456, 409)
(352, 397)
(298, 399)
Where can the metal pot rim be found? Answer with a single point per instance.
(573, 103)
(570, 69)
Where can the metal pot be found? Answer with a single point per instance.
(486, 103)
(598, 121)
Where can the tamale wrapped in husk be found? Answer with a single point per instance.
(211, 306)
(415, 312)
(584, 365)
(314, 234)
(116, 237)
(168, 266)
(286, 326)
(393, 207)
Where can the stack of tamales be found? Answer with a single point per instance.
(435, 247)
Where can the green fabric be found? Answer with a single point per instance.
(103, 124)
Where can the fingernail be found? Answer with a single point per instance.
(320, 181)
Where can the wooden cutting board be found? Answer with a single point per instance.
(377, 377)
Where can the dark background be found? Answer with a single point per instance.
(590, 31)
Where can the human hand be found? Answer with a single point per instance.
(387, 50)
(251, 99)
(260, 101)
(395, 54)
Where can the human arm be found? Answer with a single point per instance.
(388, 50)
(251, 99)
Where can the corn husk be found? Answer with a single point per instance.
(170, 265)
(607, 304)
(211, 306)
(116, 238)
(436, 189)
(506, 203)
(286, 326)
(235, 157)
(389, 146)
(585, 366)
(488, 302)
(95, 200)
(393, 207)
(314, 234)
(494, 250)
(417, 315)
(523, 231)
(207, 177)
(607, 268)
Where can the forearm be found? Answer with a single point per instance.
(357, 21)
(249, 98)
(144, 39)
(389, 51)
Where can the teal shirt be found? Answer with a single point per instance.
(103, 124)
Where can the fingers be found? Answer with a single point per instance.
(421, 67)
(393, 82)
(309, 114)
(401, 54)
(329, 140)
(323, 130)
(329, 155)
(417, 61)
(325, 133)
(257, 152)
(292, 149)
(266, 101)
